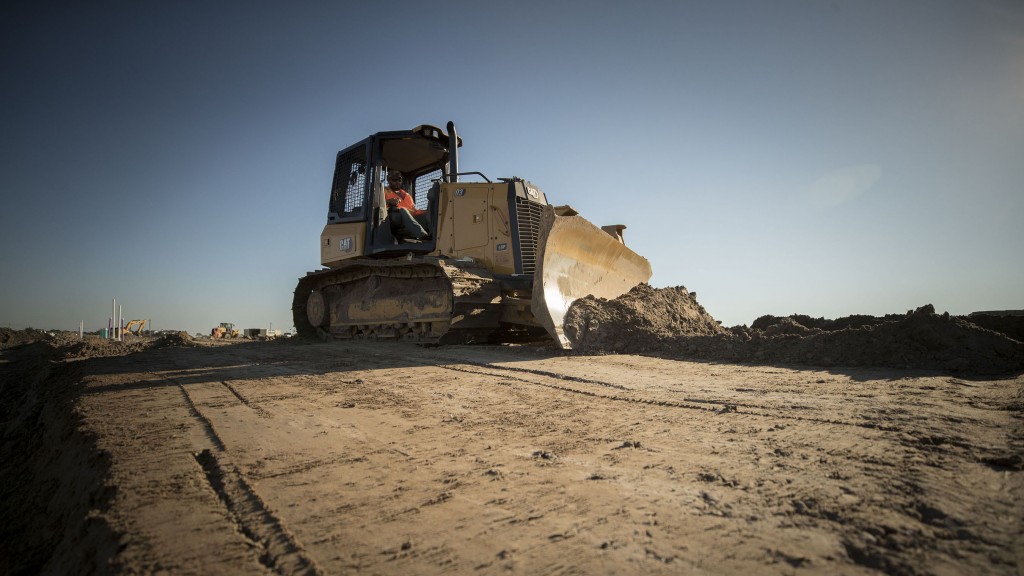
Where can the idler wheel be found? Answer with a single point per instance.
(316, 309)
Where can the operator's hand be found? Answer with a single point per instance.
(392, 203)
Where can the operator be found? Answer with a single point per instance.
(400, 200)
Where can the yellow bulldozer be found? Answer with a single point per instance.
(485, 261)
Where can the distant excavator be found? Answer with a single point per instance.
(134, 327)
(497, 263)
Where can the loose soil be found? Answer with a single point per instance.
(670, 323)
(664, 444)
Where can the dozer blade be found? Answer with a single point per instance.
(574, 259)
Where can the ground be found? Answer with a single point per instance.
(298, 457)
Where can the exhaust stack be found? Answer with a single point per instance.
(453, 153)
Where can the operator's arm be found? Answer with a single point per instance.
(405, 201)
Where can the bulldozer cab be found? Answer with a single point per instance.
(421, 155)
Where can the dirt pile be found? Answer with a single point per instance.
(669, 322)
(66, 345)
(175, 339)
(92, 346)
(1010, 324)
(61, 343)
(52, 481)
(642, 315)
(10, 338)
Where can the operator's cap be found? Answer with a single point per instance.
(394, 174)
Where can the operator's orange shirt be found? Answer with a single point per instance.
(404, 200)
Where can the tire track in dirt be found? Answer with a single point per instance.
(278, 549)
(703, 404)
(193, 410)
(248, 403)
(706, 405)
(311, 465)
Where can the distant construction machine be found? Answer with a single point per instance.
(225, 330)
(134, 327)
(497, 263)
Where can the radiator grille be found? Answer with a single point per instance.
(528, 215)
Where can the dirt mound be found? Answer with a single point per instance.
(855, 321)
(92, 346)
(67, 345)
(669, 322)
(1011, 324)
(11, 338)
(62, 343)
(1008, 323)
(95, 346)
(52, 481)
(643, 313)
(176, 339)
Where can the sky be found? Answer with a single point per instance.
(797, 156)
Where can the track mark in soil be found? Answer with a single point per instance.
(311, 465)
(193, 410)
(278, 549)
(706, 405)
(544, 373)
(249, 404)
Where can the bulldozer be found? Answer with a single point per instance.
(497, 263)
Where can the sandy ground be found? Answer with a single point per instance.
(339, 458)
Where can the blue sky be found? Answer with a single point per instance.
(824, 158)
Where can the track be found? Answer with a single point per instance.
(426, 300)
